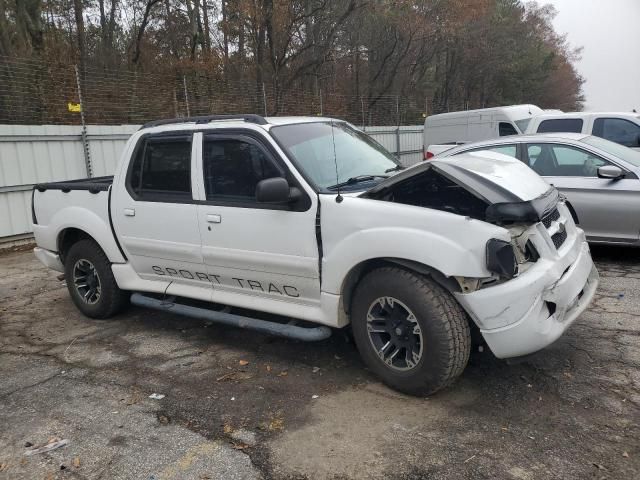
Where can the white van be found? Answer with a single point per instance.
(618, 127)
(447, 130)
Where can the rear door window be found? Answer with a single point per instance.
(161, 170)
(618, 130)
(572, 125)
(510, 150)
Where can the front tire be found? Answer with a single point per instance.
(410, 331)
(90, 281)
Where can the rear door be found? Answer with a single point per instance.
(607, 210)
(154, 213)
(254, 250)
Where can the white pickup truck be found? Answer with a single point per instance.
(310, 219)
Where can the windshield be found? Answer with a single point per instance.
(615, 149)
(523, 124)
(357, 158)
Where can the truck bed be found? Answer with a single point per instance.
(93, 185)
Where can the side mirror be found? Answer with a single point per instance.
(276, 190)
(611, 172)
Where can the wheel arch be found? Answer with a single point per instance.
(358, 271)
(69, 236)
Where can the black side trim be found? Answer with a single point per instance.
(34, 220)
(113, 231)
(319, 241)
(250, 118)
(93, 185)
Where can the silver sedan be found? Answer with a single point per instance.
(599, 178)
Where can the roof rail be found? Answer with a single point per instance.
(251, 118)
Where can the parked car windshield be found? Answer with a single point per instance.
(332, 154)
(615, 149)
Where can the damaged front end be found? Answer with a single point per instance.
(505, 193)
(541, 276)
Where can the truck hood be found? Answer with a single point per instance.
(511, 191)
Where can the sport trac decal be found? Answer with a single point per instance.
(255, 285)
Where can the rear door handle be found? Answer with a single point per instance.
(212, 218)
(129, 212)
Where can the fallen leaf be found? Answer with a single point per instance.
(283, 373)
(239, 446)
(268, 368)
(228, 428)
(76, 462)
(3, 466)
(243, 363)
(315, 369)
(625, 454)
(599, 467)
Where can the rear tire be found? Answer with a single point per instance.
(90, 281)
(410, 331)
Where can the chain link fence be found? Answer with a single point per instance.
(35, 93)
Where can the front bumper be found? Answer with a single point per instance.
(533, 310)
(49, 259)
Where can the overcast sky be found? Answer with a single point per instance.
(609, 31)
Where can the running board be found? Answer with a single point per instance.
(312, 334)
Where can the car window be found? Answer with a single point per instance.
(233, 167)
(618, 130)
(561, 125)
(615, 149)
(505, 129)
(162, 168)
(509, 150)
(555, 160)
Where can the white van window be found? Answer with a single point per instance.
(505, 129)
(523, 124)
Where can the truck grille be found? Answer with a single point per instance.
(550, 217)
(559, 238)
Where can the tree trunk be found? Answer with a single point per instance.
(207, 29)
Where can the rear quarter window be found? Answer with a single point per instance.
(572, 125)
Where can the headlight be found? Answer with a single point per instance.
(501, 259)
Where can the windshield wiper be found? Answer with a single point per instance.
(395, 169)
(357, 179)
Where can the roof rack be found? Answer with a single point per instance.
(251, 118)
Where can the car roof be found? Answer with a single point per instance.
(230, 121)
(525, 108)
(534, 137)
(541, 137)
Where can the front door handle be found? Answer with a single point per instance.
(212, 218)
(129, 212)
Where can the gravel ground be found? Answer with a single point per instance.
(239, 404)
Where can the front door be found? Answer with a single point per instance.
(254, 250)
(607, 210)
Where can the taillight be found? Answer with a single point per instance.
(428, 155)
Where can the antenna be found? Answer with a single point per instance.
(339, 197)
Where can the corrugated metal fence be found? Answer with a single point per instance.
(32, 154)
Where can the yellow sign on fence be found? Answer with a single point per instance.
(73, 107)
